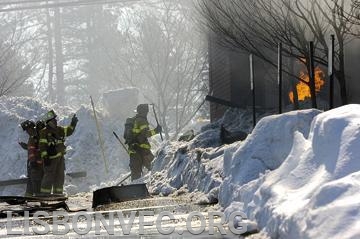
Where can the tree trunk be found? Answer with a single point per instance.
(60, 84)
(340, 75)
(50, 57)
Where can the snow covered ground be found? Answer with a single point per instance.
(297, 174)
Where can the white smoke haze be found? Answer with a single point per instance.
(150, 45)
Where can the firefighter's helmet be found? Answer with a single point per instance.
(142, 109)
(49, 116)
(27, 124)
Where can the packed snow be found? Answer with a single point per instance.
(297, 175)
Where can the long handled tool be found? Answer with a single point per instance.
(123, 179)
(157, 121)
(99, 136)
(121, 143)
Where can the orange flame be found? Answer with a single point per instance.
(303, 89)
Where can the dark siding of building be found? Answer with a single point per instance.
(240, 79)
(229, 73)
(220, 77)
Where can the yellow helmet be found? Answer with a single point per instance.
(49, 116)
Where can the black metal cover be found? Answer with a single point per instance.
(119, 194)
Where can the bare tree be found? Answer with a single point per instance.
(13, 70)
(322, 18)
(258, 26)
(50, 57)
(350, 13)
(15, 66)
(160, 53)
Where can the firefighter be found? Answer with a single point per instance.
(52, 151)
(139, 146)
(34, 162)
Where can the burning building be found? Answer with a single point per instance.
(302, 87)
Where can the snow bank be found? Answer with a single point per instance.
(83, 153)
(186, 168)
(297, 174)
(197, 165)
(265, 149)
(315, 192)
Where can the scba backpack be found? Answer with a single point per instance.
(128, 134)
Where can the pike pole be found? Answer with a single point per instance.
(123, 179)
(157, 121)
(127, 151)
(121, 143)
(99, 136)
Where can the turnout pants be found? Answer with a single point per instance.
(138, 160)
(29, 188)
(35, 174)
(54, 176)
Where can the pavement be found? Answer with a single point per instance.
(155, 217)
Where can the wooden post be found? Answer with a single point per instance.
(101, 142)
(280, 76)
(312, 76)
(252, 83)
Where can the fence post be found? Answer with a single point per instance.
(312, 76)
(280, 76)
(331, 71)
(252, 83)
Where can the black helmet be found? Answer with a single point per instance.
(142, 109)
(27, 124)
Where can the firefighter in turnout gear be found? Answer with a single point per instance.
(52, 151)
(139, 146)
(34, 162)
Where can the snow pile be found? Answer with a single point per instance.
(265, 149)
(83, 152)
(197, 165)
(315, 193)
(186, 169)
(236, 119)
(121, 103)
(297, 174)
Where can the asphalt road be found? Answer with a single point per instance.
(149, 218)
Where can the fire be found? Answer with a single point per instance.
(303, 89)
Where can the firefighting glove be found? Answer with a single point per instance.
(74, 121)
(23, 145)
(158, 129)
